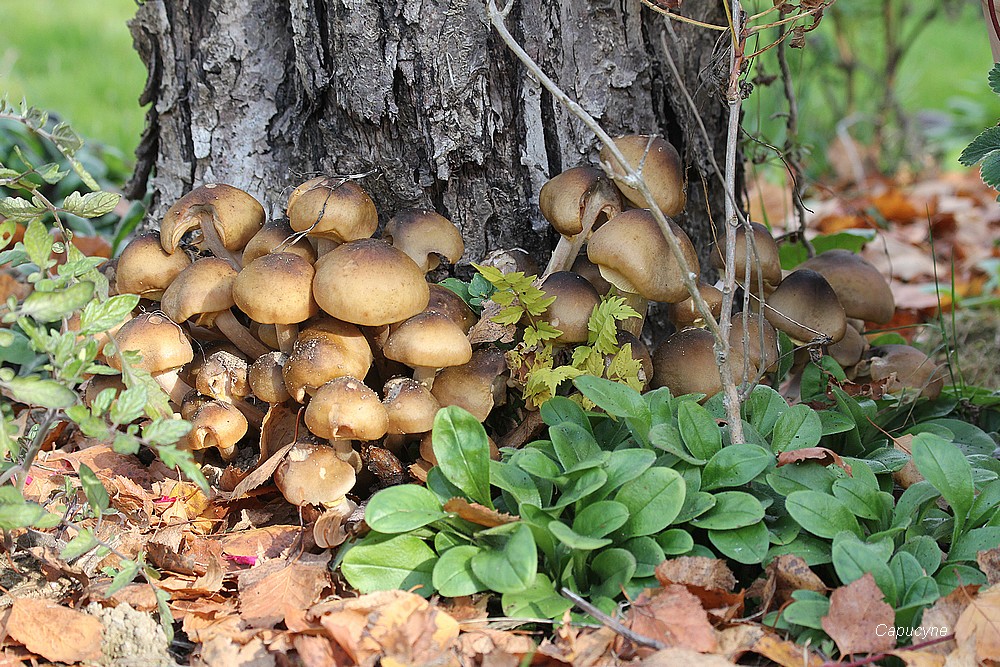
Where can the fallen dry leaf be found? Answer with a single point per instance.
(791, 573)
(822, 455)
(919, 658)
(224, 652)
(786, 652)
(676, 655)
(942, 617)
(258, 543)
(710, 573)
(981, 619)
(273, 588)
(478, 514)
(317, 651)
(673, 616)
(55, 632)
(474, 645)
(989, 563)
(856, 610)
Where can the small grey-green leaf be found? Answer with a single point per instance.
(32, 390)
(92, 204)
(52, 306)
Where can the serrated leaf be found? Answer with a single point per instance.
(17, 209)
(97, 495)
(83, 542)
(82, 172)
(987, 142)
(98, 317)
(130, 405)
(994, 78)
(53, 306)
(38, 243)
(166, 431)
(92, 204)
(32, 390)
(990, 171)
(124, 577)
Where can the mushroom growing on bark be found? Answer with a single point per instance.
(764, 262)
(344, 410)
(424, 236)
(575, 300)
(274, 236)
(226, 217)
(163, 347)
(325, 349)
(658, 163)
(332, 210)
(144, 268)
(427, 342)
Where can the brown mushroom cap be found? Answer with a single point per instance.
(476, 386)
(223, 376)
(685, 363)
(912, 369)
(346, 409)
(144, 268)
(332, 208)
(214, 424)
(564, 198)
(762, 356)
(446, 302)
(424, 235)
(265, 378)
(325, 349)
(234, 216)
(369, 282)
(201, 290)
(272, 237)
(634, 256)
(583, 266)
(575, 300)
(161, 343)
(314, 475)
(276, 289)
(805, 307)
(848, 350)
(685, 314)
(410, 405)
(862, 290)
(660, 166)
(428, 340)
(764, 254)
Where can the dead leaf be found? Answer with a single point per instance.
(317, 651)
(261, 474)
(260, 543)
(736, 640)
(989, 563)
(55, 632)
(476, 644)
(786, 652)
(271, 589)
(224, 652)
(920, 658)
(478, 514)
(942, 617)
(673, 616)
(822, 455)
(792, 573)
(981, 619)
(710, 573)
(138, 596)
(856, 610)
(671, 657)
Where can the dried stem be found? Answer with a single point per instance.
(634, 179)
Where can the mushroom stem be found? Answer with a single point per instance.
(568, 247)
(425, 375)
(286, 335)
(210, 235)
(640, 304)
(324, 246)
(239, 335)
(227, 453)
(171, 383)
(346, 452)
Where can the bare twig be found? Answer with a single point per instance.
(612, 623)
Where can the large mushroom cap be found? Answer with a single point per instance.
(276, 289)
(906, 367)
(146, 269)
(424, 235)
(428, 340)
(564, 198)
(346, 409)
(575, 300)
(161, 343)
(685, 363)
(202, 289)
(660, 166)
(862, 290)
(765, 262)
(235, 216)
(446, 302)
(332, 208)
(314, 475)
(753, 338)
(369, 282)
(476, 386)
(634, 256)
(805, 307)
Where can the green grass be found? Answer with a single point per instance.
(75, 57)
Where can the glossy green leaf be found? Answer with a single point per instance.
(623, 466)
(852, 559)
(735, 465)
(925, 550)
(463, 453)
(695, 505)
(943, 465)
(653, 499)
(610, 570)
(667, 437)
(559, 409)
(575, 447)
(971, 543)
(600, 518)
(813, 550)
(648, 554)
(798, 427)
(516, 482)
(382, 563)
(613, 397)
(452, 575)
(675, 541)
(575, 540)
(807, 613)
(700, 432)
(580, 485)
(402, 508)
(747, 545)
(733, 509)
(821, 514)
(539, 600)
(509, 561)
(763, 407)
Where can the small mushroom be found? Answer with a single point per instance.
(368, 282)
(427, 342)
(575, 300)
(806, 308)
(425, 236)
(861, 289)
(224, 377)
(277, 289)
(574, 202)
(476, 386)
(144, 268)
(204, 291)
(344, 410)
(265, 378)
(446, 302)
(909, 367)
(658, 163)
(334, 210)
(685, 363)
(163, 348)
(411, 408)
(226, 217)
(753, 339)
(312, 474)
(685, 314)
(764, 261)
(213, 424)
(274, 236)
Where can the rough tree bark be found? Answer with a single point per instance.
(263, 94)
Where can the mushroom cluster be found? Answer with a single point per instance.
(241, 314)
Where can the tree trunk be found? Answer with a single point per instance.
(264, 94)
